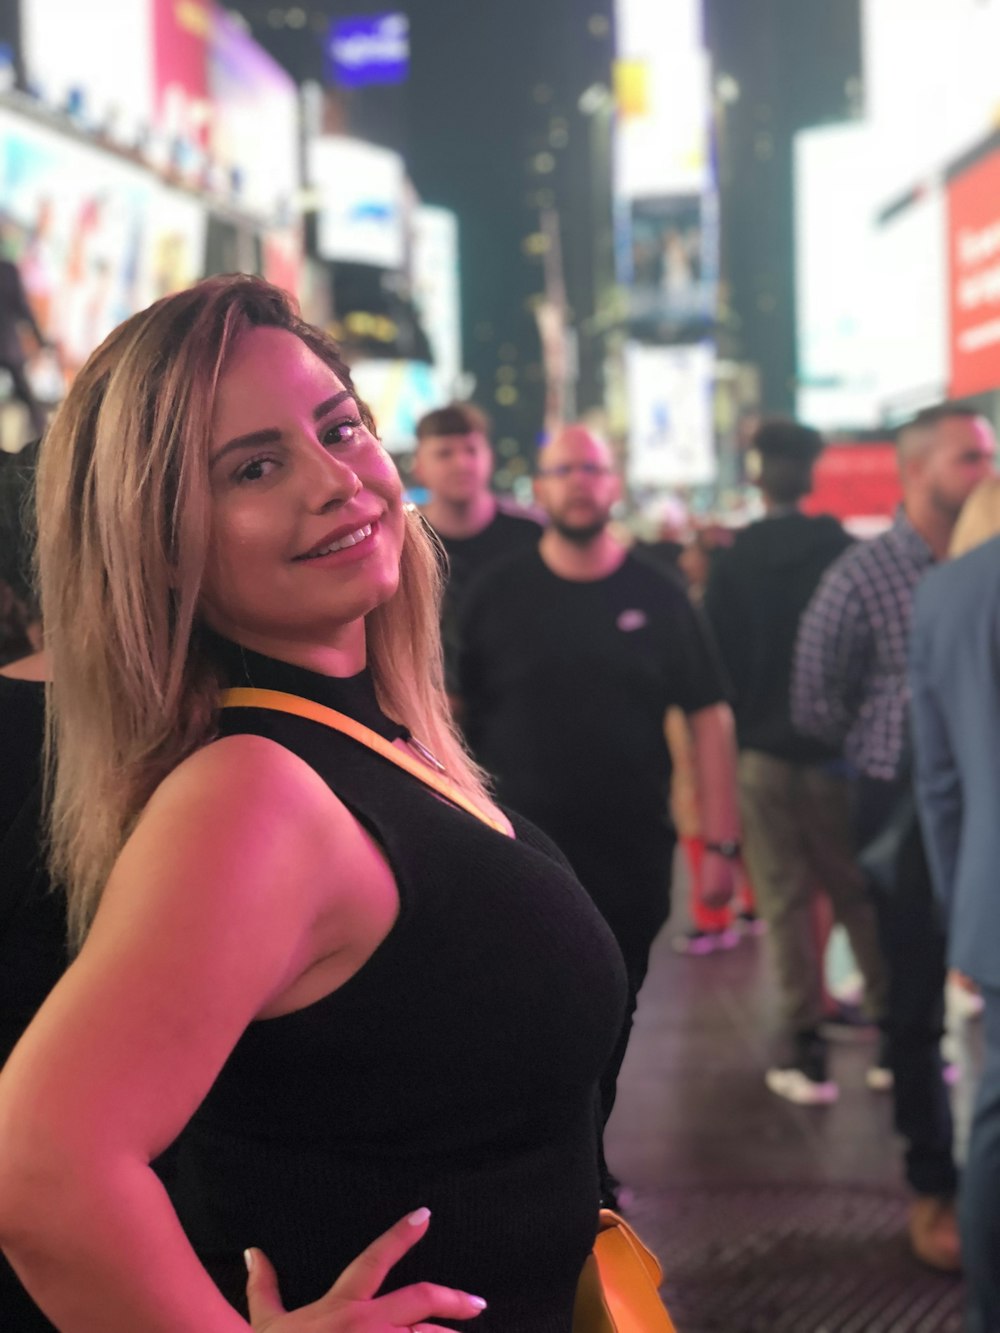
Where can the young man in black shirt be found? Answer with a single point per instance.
(454, 461)
(571, 654)
(795, 794)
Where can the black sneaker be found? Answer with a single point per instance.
(803, 1080)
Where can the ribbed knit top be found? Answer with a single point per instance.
(456, 1070)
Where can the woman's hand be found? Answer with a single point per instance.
(351, 1305)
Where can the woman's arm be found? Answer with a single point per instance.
(221, 900)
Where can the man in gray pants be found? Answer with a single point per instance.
(794, 794)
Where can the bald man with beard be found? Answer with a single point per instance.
(571, 654)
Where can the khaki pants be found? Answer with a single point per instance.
(798, 838)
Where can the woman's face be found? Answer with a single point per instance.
(307, 514)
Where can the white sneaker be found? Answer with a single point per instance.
(879, 1079)
(796, 1086)
(850, 991)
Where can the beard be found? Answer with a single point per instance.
(580, 534)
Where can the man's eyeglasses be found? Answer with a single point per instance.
(564, 470)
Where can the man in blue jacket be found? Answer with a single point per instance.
(955, 679)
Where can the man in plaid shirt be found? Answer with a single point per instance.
(849, 688)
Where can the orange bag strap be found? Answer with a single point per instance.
(280, 702)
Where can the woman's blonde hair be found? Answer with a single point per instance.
(124, 526)
(979, 519)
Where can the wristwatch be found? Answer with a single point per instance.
(728, 847)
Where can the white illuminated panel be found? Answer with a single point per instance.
(255, 119)
(663, 99)
(836, 185)
(101, 52)
(670, 437)
(436, 289)
(399, 393)
(932, 82)
(361, 199)
(910, 305)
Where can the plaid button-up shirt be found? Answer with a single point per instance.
(849, 683)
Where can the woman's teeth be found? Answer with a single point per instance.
(351, 539)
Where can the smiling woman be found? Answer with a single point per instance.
(307, 513)
(313, 960)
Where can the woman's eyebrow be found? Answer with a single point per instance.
(271, 434)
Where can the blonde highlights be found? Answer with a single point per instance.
(124, 525)
(979, 520)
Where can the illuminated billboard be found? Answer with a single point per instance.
(399, 393)
(95, 238)
(72, 58)
(374, 49)
(361, 192)
(932, 81)
(671, 271)
(974, 277)
(255, 136)
(661, 83)
(670, 438)
(436, 294)
(909, 302)
(835, 184)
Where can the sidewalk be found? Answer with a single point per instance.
(767, 1217)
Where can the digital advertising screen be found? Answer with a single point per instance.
(974, 277)
(181, 36)
(835, 188)
(368, 50)
(932, 82)
(671, 268)
(436, 283)
(361, 190)
(73, 57)
(399, 394)
(909, 305)
(95, 239)
(671, 437)
(661, 85)
(255, 138)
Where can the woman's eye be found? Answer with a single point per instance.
(255, 470)
(343, 432)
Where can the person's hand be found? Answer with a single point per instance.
(719, 878)
(352, 1304)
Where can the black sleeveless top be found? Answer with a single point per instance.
(456, 1070)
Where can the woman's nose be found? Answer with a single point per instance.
(330, 481)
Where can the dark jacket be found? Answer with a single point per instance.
(955, 678)
(757, 592)
(14, 311)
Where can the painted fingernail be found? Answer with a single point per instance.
(418, 1218)
(478, 1302)
(248, 1260)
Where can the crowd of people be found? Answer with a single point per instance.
(336, 833)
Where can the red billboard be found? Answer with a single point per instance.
(974, 278)
(856, 481)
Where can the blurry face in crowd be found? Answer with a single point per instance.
(307, 513)
(454, 468)
(962, 454)
(576, 484)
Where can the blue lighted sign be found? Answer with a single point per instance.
(369, 50)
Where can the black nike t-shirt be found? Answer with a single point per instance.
(468, 557)
(566, 684)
